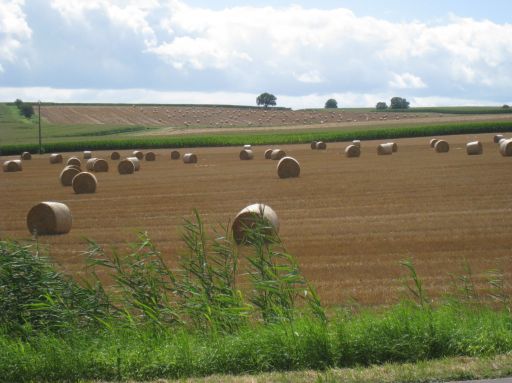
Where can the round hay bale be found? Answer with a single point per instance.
(89, 165)
(12, 166)
(84, 183)
(100, 165)
(150, 156)
(67, 174)
(55, 158)
(501, 140)
(126, 166)
(251, 217)
(394, 147)
(506, 148)
(320, 145)
(175, 155)
(352, 151)
(136, 162)
(357, 143)
(497, 138)
(288, 167)
(277, 154)
(313, 145)
(268, 153)
(189, 158)
(48, 218)
(74, 161)
(246, 154)
(73, 167)
(474, 148)
(441, 146)
(433, 142)
(87, 154)
(247, 146)
(115, 156)
(138, 154)
(385, 149)
(26, 156)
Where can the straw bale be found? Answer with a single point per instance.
(67, 174)
(441, 146)
(73, 167)
(247, 146)
(277, 154)
(268, 153)
(320, 145)
(150, 156)
(352, 151)
(506, 148)
(498, 137)
(474, 148)
(84, 183)
(357, 143)
(100, 165)
(12, 166)
(74, 161)
(394, 146)
(48, 218)
(385, 149)
(138, 154)
(251, 217)
(433, 142)
(136, 162)
(115, 156)
(288, 167)
(87, 154)
(246, 154)
(126, 166)
(89, 165)
(189, 158)
(26, 156)
(313, 145)
(175, 155)
(55, 158)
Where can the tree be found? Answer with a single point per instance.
(266, 99)
(27, 110)
(381, 105)
(505, 106)
(18, 103)
(331, 104)
(399, 103)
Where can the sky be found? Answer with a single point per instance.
(359, 52)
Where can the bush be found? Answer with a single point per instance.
(27, 110)
(399, 103)
(506, 106)
(331, 104)
(381, 105)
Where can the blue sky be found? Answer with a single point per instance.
(196, 51)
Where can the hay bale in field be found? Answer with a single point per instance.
(87, 154)
(74, 161)
(357, 143)
(506, 148)
(84, 183)
(268, 153)
(115, 156)
(136, 162)
(175, 155)
(313, 144)
(10, 166)
(67, 174)
(126, 166)
(441, 146)
(277, 154)
(501, 140)
(385, 149)
(474, 148)
(253, 217)
(352, 151)
(394, 146)
(55, 158)
(26, 156)
(138, 154)
(320, 145)
(288, 167)
(246, 154)
(48, 218)
(189, 158)
(100, 165)
(433, 142)
(150, 156)
(497, 138)
(89, 165)
(247, 146)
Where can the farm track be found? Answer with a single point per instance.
(348, 221)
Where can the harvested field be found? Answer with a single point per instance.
(348, 221)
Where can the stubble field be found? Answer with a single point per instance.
(348, 221)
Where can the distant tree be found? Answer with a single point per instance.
(18, 103)
(381, 105)
(399, 103)
(506, 106)
(27, 110)
(266, 99)
(331, 104)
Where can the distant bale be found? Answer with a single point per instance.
(247, 146)
(26, 156)
(138, 154)
(55, 158)
(100, 165)
(277, 154)
(246, 154)
(74, 161)
(498, 137)
(506, 148)
(352, 151)
(474, 148)
(175, 155)
(115, 156)
(87, 154)
(136, 162)
(394, 146)
(320, 145)
(288, 167)
(253, 217)
(12, 166)
(441, 146)
(268, 153)
(126, 166)
(501, 140)
(313, 145)
(73, 167)
(385, 149)
(433, 142)
(150, 156)
(189, 158)
(89, 165)
(67, 174)
(84, 183)
(356, 143)
(48, 218)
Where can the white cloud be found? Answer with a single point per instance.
(406, 81)
(14, 30)
(311, 77)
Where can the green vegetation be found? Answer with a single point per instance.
(331, 104)
(266, 99)
(381, 105)
(154, 322)
(398, 103)
(459, 110)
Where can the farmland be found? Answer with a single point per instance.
(348, 221)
